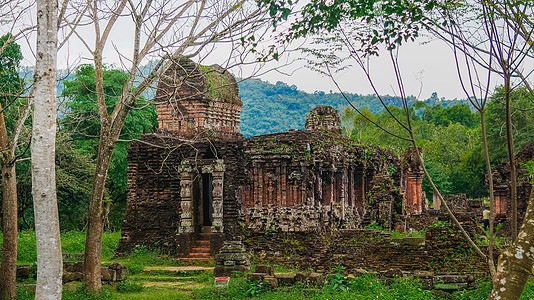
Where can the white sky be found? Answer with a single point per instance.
(426, 67)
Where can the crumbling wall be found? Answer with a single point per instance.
(442, 250)
(502, 186)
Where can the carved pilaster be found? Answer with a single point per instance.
(186, 194)
(218, 188)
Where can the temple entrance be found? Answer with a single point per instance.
(207, 199)
(203, 201)
(201, 196)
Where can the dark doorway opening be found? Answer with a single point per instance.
(207, 199)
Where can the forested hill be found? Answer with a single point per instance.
(269, 108)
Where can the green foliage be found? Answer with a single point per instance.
(440, 224)
(337, 283)
(529, 167)
(11, 84)
(257, 288)
(74, 177)
(373, 226)
(522, 119)
(82, 121)
(269, 108)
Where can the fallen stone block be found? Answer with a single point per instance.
(72, 276)
(265, 270)
(25, 271)
(255, 277)
(301, 277)
(230, 271)
(423, 274)
(285, 279)
(450, 279)
(315, 278)
(271, 280)
(108, 274)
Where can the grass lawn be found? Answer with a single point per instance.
(156, 276)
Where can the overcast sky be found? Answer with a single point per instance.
(427, 66)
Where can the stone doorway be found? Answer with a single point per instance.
(201, 184)
(203, 201)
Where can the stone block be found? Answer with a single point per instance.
(426, 283)
(231, 256)
(450, 279)
(265, 270)
(73, 266)
(229, 263)
(393, 273)
(271, 280)
(255, 277)
(25, 271)
(423, 274)
(116, 266)
(301, 277)
(121, 274)
(231, 271)
(72, 276)
(285, 279)
(413, 241)
(315, 278)
(108, 274)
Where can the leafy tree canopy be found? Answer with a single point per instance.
(81, 120)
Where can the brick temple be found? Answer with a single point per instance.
(198, 182)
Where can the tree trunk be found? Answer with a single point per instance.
(511, 156)
(491, 263)
(8, 268)
(93, 240)
(515, 264)
(49, 260)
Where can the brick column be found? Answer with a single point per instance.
(414, 193)
(218, 188)
(501, 200)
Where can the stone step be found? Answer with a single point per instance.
(205, 235)
(204, 243)
(201, 249)
(196, 259)
(197, 254)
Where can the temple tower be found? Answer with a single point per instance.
(195, 101)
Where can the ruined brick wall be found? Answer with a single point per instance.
(444, 250)
(195, 101)
(305, 180)
(502, 186)
(296, 181)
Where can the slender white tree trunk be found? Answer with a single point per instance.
(49, 261)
